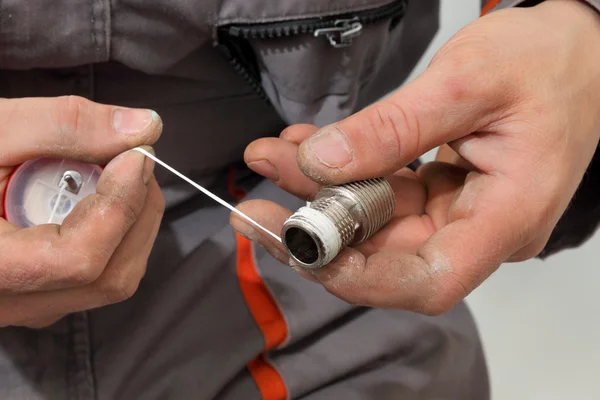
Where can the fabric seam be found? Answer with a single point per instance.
(92, 27)
(365, 5)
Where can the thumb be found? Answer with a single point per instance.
(438, 107)
(71, 127)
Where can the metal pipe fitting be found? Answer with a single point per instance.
(339, 216)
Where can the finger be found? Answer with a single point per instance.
(410, 226)
(532, 249)
(298, 133)
(40, 323)
(448, 155)
(50, 257)
(409, 193)
(275, 159)
(71, 127)
(4, 175)
(486, 227)
(401, 234)
(443, 182)
(269, 215)
(441, 105)
(118, 282)
(127, 266)
(384, 280)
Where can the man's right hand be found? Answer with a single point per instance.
(99, 254)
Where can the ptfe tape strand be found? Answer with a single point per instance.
(207, 192)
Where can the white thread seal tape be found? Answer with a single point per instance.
(325, 230)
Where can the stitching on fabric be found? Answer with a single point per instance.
(103, 19)
(320, 12)
(82, 370)
(106, 24)
(93, 22)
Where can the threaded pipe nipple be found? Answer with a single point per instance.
(338, 217)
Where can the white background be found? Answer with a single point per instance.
(540, 321)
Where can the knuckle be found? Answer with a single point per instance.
(467, 62)
(287, 132)
(70, 108)
(458, 88)
(118, 292)
(476, 89)
(121, 286)
(84, 268)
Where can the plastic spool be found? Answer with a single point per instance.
(35, 187)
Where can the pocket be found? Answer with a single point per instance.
(312, 69)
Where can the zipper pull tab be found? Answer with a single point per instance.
(342, 32)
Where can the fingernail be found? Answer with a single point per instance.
(130, 121)
(331, 147)
(254, 236)
(265, 168)
(245, 230)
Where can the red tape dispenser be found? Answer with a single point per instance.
(45, 190)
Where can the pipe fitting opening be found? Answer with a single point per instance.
(302, 246)
(338, 217)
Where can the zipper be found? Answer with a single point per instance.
(345, 26)
(342, 32)
(339, 31)
(241, 58)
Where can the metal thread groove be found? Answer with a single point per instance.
(340, 217)
(352, 213)
(376, 198)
